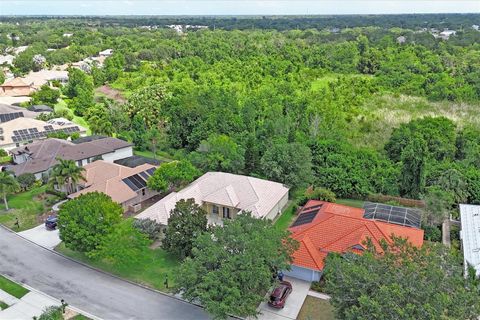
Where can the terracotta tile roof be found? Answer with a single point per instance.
(16, 82)
(338, 228)
(107, 177)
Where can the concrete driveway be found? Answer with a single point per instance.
(41, 236)
(94, 292)
(293, 305)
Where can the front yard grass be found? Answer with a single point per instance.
(150, 272)
(26, 206)
(3, 305)
(316, 309)
(12, 288)
(161, 156)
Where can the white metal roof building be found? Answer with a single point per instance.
(470, 235)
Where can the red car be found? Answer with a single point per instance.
(280, 294)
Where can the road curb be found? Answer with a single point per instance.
(110, 274)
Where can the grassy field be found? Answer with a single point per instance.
(12, 288)
(316, 309)
(62, 105)
(25, 206)
(151, 272)
(351, 202)
(149, 154)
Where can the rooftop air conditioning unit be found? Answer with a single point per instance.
(137, 207)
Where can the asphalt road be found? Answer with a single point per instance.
(94, 292)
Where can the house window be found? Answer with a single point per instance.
(214, 209)
(79, 163)
(226, 213)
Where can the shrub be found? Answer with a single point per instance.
(318, 193)
(52, 313)
(3, 153)
(26, 180)
(432, 233)
(149, 227)
(52, 191)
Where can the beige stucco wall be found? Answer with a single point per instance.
(138, 199)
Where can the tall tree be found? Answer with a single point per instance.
(84, 222)
(172, 175)
(66, 174)
(413, 173)
(186, 222)
(232, 266)
(8, 184)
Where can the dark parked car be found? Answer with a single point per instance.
(51, 223)
(280, 294)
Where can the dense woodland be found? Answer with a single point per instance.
(300, 106)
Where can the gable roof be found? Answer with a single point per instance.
(242, 192)
(339, 228)
(15, 82)
(106, 177)
(43, 153)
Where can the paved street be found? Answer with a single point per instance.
(84, 288)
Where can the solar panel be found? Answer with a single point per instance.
(151, 171)
(144, 175)
(407, 217)
(130, 184)
(10, 116)
(305, 218)
(138, 181)
(313, 207)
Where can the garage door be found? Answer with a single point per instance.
(303, 274)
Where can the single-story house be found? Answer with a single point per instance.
(322, 227)
(21, 131)
(470, 236)
(9, 112)
(126, 186)
(223, 196)
(39, 157)
(16, 87)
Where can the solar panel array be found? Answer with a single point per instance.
(33, 133)
(307, 215)
(138, 181)
(10, 116)
(407, 217)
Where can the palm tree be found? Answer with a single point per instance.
(8, 184)
(66, 173)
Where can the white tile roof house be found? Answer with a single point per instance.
(470, 235)
(226, 193)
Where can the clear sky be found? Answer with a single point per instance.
(237, 7)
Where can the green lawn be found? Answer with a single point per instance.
(79, 317)
(3, 305)
(6, 159)
(287, 216)
(62, 105)
(150, 272)
(12, 288)
(351, 202)
(26, 206)
(316, 309)
(149, 154)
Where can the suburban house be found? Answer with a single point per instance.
(16, 87)
(322, 227)
(106, 53)
(223, 196)
(9, 112)
(20, 131)
(126, 186)
(39, 157)
(470, 235)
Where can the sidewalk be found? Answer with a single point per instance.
(32, 305)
